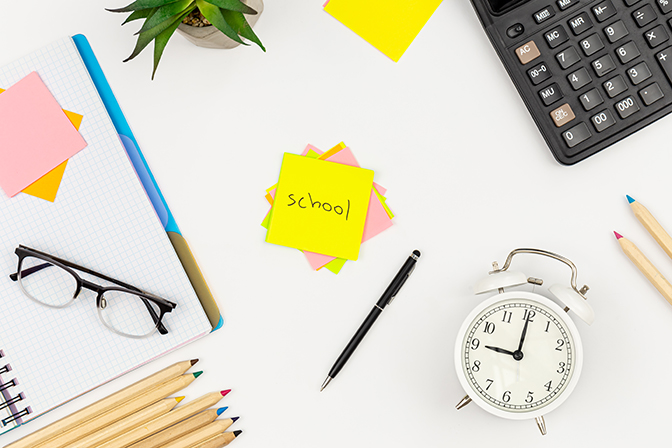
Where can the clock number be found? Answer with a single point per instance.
(548, 386)
(477, 366)
(561, 367)
(529, 315)
(475, 343)
(548, 324)
(489, 327)
(489, 381)
(507, 396)
(507, 317)
(529, 398)
(560, 344)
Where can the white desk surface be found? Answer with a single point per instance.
(469, 179)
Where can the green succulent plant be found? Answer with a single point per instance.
(162, 18)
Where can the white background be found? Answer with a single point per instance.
(469, 179)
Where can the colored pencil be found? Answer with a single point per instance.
(101, 406)
(89, 427)
(646, 267)
(202, 434)
(651, 225)
(138, 419)
(220, 440)
(176, 431)
(163, 422)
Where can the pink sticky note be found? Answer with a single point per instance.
(35, 134)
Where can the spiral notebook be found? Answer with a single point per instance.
(103, 219)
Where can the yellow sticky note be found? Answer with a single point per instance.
(320, 206)
(388, 25)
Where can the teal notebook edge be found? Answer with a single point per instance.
(151, 187)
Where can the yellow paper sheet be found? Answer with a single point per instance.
(388, 25)
(320, 206)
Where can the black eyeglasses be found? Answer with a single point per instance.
(124, 309)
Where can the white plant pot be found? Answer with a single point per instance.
(211, 37)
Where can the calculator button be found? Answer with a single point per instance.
(604, 10)
(568, 57)
(579, 78)
(644, 15)
(591, 99)
(615, 86)
(544, 14)
(603, 65)
(556, 36)
(515, 30)
(616, 31)
(651, 94)
(591, 44)
(564, 4)
(627, 52)
(550, 94)
(656, 36)
(639, 73)
(603, 120)
(539, 73)
(562, 115)
(626, 107)
(527, 52)
(580, 23)
(630, 2)
(665, 6)
(576, 135)
(665, 61)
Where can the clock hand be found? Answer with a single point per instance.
(522, 336)
(499, 350)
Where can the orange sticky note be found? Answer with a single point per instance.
(35, 135)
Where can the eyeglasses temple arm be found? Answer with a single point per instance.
(27, 272)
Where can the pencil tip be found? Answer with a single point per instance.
(221, 410)
(178, 399)
(618, 235)
(237, 432)
(235, 419)
(326, 382)
(630, 200)
(197, 374)
(224, 392)
(193, 361)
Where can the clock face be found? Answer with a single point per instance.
(518, 355)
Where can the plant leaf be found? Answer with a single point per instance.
(162, 39)
(165, 12)
(239, 23)
(142, 4)
(214, 15)
(140, 14)
(146, 37)
(233, 5)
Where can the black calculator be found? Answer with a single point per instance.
(590, 72)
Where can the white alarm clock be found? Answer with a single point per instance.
(518, 355)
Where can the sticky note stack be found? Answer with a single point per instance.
(325, 205)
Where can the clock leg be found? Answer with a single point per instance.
(463, 402)
(541, 424)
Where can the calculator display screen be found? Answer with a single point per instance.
(502, 5)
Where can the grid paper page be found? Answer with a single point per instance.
(102, 219)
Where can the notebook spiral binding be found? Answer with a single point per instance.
(7, 401)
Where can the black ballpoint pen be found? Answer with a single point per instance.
(387, 297)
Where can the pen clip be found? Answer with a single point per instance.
(401, 284)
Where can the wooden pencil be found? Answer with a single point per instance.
(651, 225)
(202, 434)
(104, 420)
(646, 267)
(159, 424)
(219, 440)
(104, 405)
(140, 418)
(169, 434)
